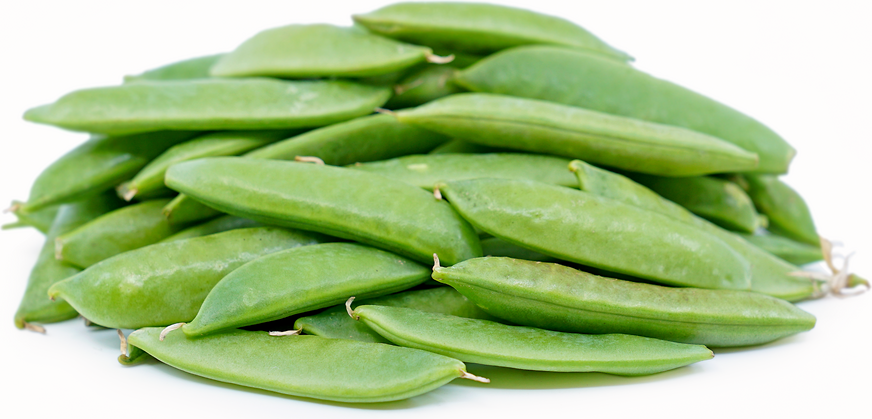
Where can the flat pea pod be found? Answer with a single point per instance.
(549, 128)
(218, 225)
(210, 105)
(579, 79)
(166, 283)
(480, 28)
(345, 203)
(335, 323)
(192, 68)
(459, 146)
(320, 50)
(40, 219)
(116, 232)
(307, 366)
(34, 306)
(422, 86)
(788, 213)
(591, 230)
(556, 297)
(791, 251)
(491, 343)
(304, 279)
(424, 171)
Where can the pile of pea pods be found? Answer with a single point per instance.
(354, 213)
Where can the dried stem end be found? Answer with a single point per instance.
(349, 310)
(287, 332)
(436, 59)
(34, 327)
(170, 328)
(473, 377)
(309, 159)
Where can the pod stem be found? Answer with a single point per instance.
(170, 328)
(309, 159)
(474, 377)
(349, 310)
(123, 342)
(437, 59)
(437, 193)
(838, 280)
(436, 264)
(34, 327)
(13, 208)
(385, 111)
(291, 332)
(126, 192)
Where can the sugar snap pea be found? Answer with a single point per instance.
(579, 79)
(340, 202)
(556, 297)
(218, 225)
(166, 283)
(792, 251)
(192, 68)
(788, 213)
(40, 219)
(585, 228)
(491, 343)
(210, 104)
(422, 86)
(543, 127)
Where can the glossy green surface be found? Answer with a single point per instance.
(788, 213)
(578, 79)
(166, 283)
(429, 83)
(218, 225)
(555, 297)
(792, 251)
(192, 68)
(307, 366)
(41, 219)
(549, 128)
(340, 202)
(592, 230)
(210, 104)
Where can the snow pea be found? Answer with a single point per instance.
(556, 297)
(549, 128)
(166, 283)
(422, 86)
(791, 251)
(788, 213)
(578, 79)
(218, 225)
(192, 68)
(41, 219)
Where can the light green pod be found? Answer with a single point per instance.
(307, 366)
(117, 232)
(166, 283)
(556, 297)
(182, 210)
(490, 343)
(218, 225)
(584, 80)
(422, 86)
(192, 68)
(592, 230)
(41, 219)
(345, 203)
(791, 251)
(335, 323)
(299, 280)
(480, 28)
(549, 128)
(210, 105)
(494, 246)
(320, 50)
(788, 213)
(459, 146)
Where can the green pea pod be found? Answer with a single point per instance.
(585, 228)
(549, 128)
(422, 86)
(493, 246)
(182, 210)
(34, 306)
(584, 80)
(320, 50)
(556, 297)
(299, 280)
(335, 323)
(218, 225)
(40, 219)
(788, 213)
(424, 171)
(787, 249)
(491, 343)
(480, 28)
(340, 202)
(210, 104)
(461, 59)
(166, 283)
(117, 232)
(769, 274)
(459, 146)
(97, 165)
(192, 68)
(307, 366)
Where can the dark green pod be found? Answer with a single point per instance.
(422, 86)
(192, 68)
(218, 225)
(788, 213)
(792, 251)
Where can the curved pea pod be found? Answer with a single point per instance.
(40, 219)
(787, 249)
(340, 202)
(422, 86)
(218, 225)
(307, 366)
(335, 323)
(424, 171)
(320, 50)
(192, 68)
(494, 246)
(480, 28)
(585, 228)
(299, 280)
(491, 343)
(549, 128)
(555, 297)
(97, 165)
(166, 283)
(34, 305)
(210, 104)
(769, 274)
(578, 79)
(788, 213)
(456, 146)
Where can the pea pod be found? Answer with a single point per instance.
(549, 128)
(340, 202)
(787, 249)
(588, 81)
(210, 104)
(308, 366)
(192, 68)
(585, 228)
(422, 86)
(788, 213)
(166, 283)
(218, 225)
(555, 297)
(41, 219)
(182, 210)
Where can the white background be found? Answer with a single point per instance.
(801, 67)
